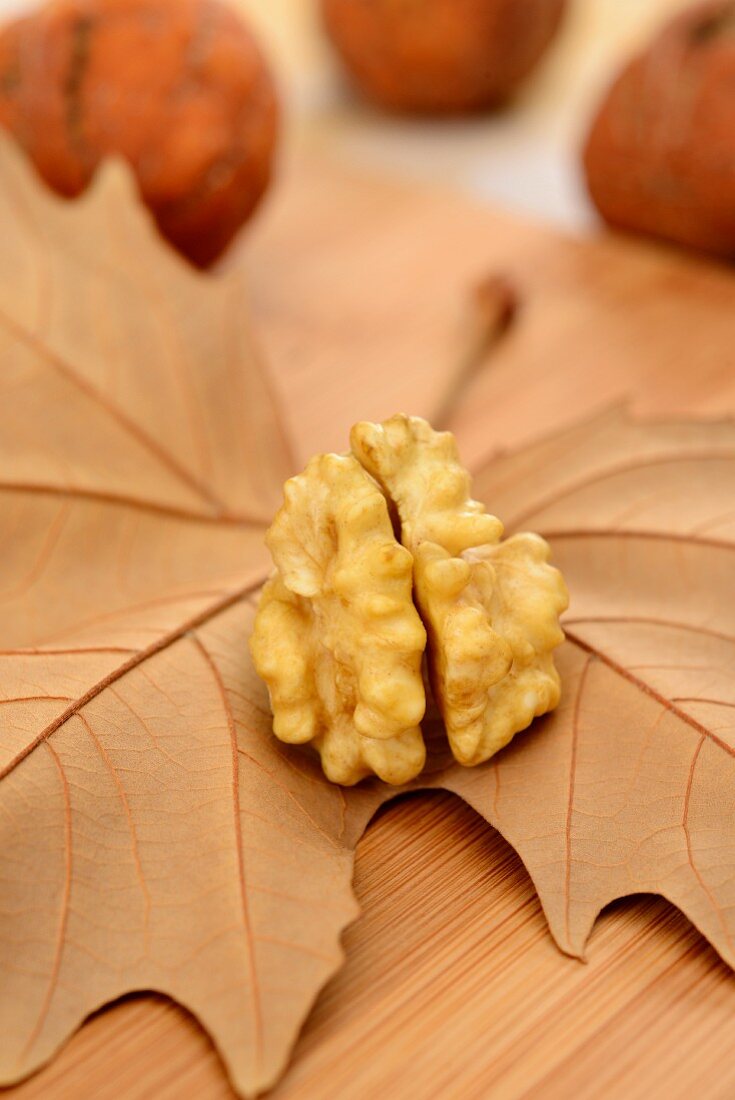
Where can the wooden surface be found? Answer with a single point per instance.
(453, 987)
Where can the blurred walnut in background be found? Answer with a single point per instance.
(660, 157)
(440, 56)
(177, 87)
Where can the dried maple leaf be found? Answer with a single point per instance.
(636, 770)
(154, 833)
(141, 459)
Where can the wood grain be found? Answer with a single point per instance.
(453, 986)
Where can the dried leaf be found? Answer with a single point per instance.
(637, 767)
(140, 461)
(154, 834)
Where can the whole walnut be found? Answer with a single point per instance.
(440, 56)
(660, 157)
(177, 87)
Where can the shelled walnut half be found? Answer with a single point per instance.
(491, 608)
(338, 639)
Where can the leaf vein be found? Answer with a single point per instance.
(615, 471)
(64, 910)
(570, 799)
(247, 923)
(158, 646)
(690, 849)
(648, 690)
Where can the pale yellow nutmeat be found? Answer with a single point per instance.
(491, 608)
(337, 638)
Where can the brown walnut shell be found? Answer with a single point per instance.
(660, 157)
(440, 56)
(177, 87)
